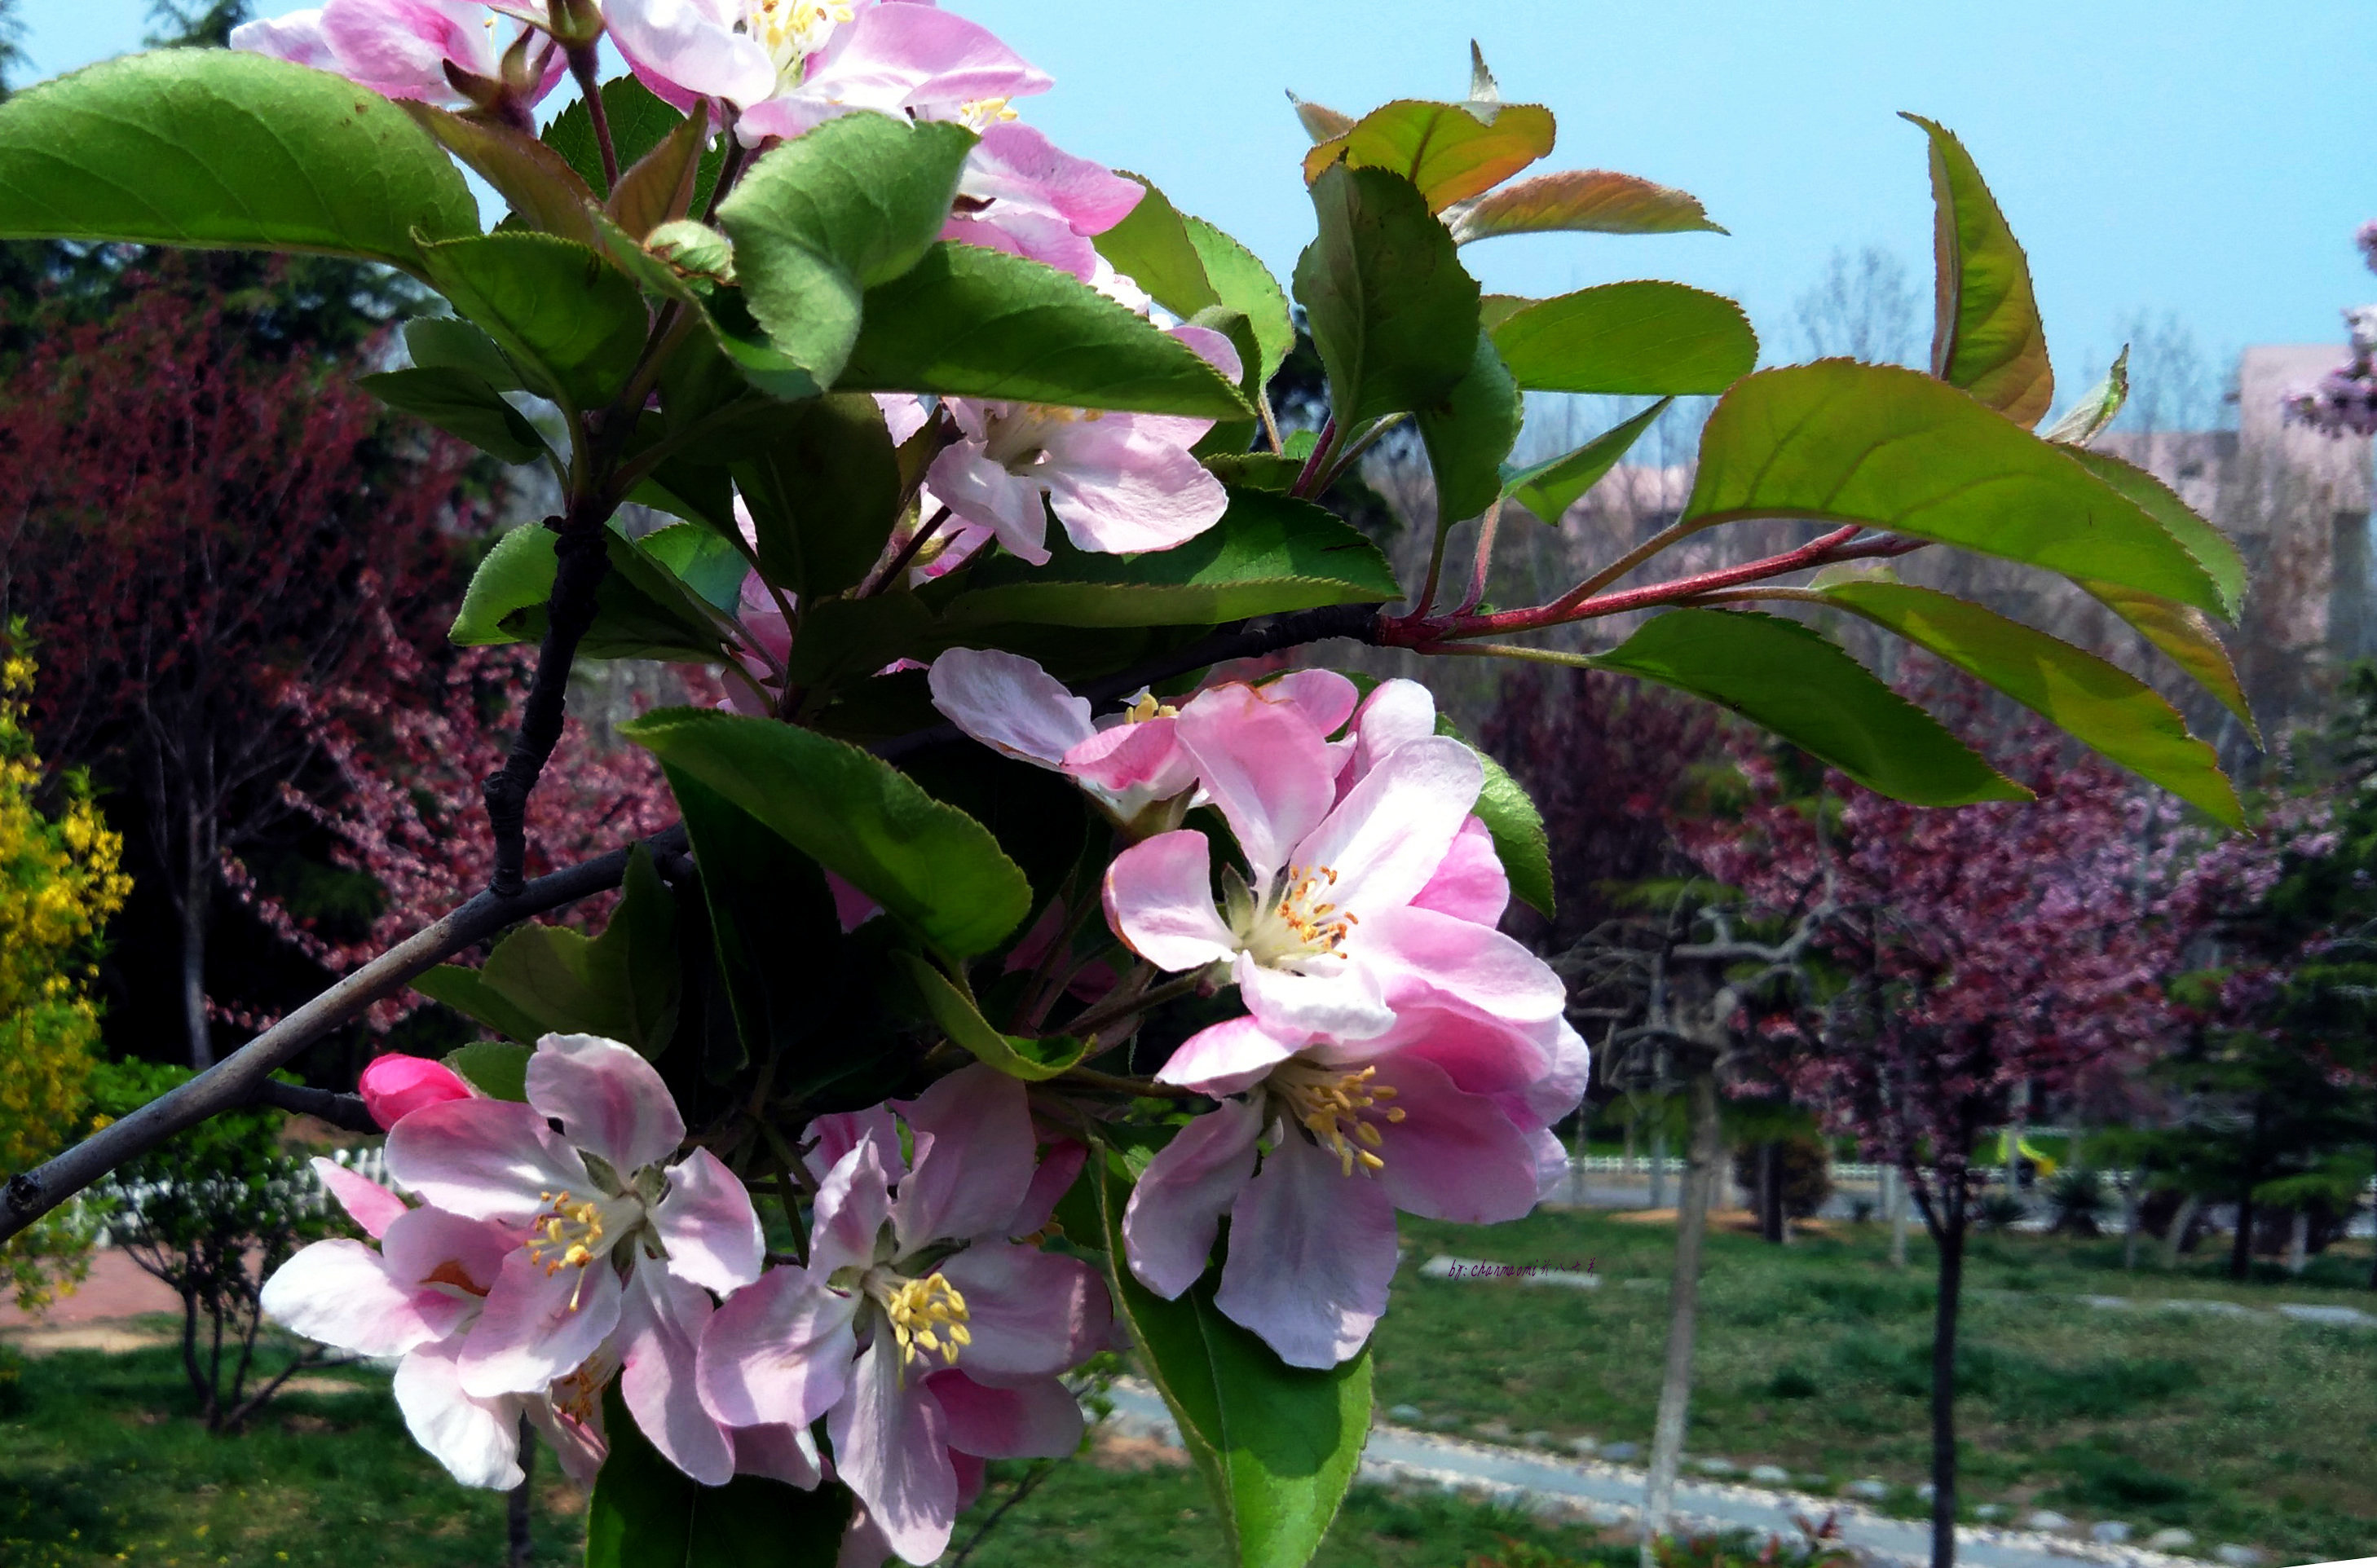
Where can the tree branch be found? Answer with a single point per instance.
(235, 1080)
(581, 560)
(343, 1110)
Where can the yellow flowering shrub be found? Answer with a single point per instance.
(60, 880)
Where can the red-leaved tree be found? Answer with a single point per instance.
(1995, 949)
(205, 539)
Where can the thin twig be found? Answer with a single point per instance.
(586, 68)
(1024, 1489)
(580, 562)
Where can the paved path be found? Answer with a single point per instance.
(1611, 1494)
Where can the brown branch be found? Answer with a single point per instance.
(581, 560)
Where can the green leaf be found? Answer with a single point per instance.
(2207, 545)
(568, 318)
(2103, 707)
(1653, 339)
(448, 342)
(544, 192)
(659, 187)
(639, 121)
(1151, 246)
(516, 574)
(1779, 674)
(1987, 338)
(2186, 635)
(498, 1069)
(1318, 121)
(1591, 201)
(1468, 436)
(1033, 1060)
(1273, 471)
(1245, 285)
(648, 1513)
(459, 404)
(1278, 1445)
(967, 322)
(1451, 151)
(2086, 419)
(622, 984)
(832, 213)
(772, 921)
(1889, 448)
(641, 611)
(1549, 488)
(1510, 815)
(822, 482)
(1268, 553)
(1392, 314)
(461, 990)
(699, 559)
(222, 149)
(929, 865)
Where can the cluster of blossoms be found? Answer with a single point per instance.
(2344, 402)
(1396, 1053)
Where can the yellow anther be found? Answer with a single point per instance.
(1147, 708)
(1342, 1110)
(566, 1234)
(928, 1317)
(977, 112)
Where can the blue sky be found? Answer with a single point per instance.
(2209, 160)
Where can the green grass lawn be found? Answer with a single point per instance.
(1815, 1357)
(1812, 1358)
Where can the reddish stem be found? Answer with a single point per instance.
(1424, 632)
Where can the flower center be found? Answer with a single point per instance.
(976, 113)
(1146, 707)
(1303, 923)
(1019, 435)
(574, 1231)
(1341, 1110)
(928, 1315)
(792, 30)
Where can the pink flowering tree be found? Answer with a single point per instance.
(794, 1194)
(2344, 402)
(1970, 957)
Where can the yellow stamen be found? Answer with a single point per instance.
(564, 1237)
(1341, 1110)
(928, 1317)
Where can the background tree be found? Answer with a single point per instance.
(198, 533)
(59, 882)
(1974, 951)
(1864, 307)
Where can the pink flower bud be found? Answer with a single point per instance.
(394, 1086)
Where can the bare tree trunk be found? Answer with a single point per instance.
(1659, 1160)
(2133, 1193)
(515, 1506)
(1898, 1208)
(1948, 1231)
(197, 883)
(1770, 1191)
(1683, 1308)
(2240, 1245)
(2176, 1237)
(2298, 1241)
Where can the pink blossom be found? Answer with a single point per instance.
(608, 1238)
(1332, 923)
(919, 1326)
(1317, 1141)
(1119, 482)
(791, 64)
(394, 1085)
(1021, 194)
(446, 51)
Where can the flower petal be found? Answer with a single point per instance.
(779, 1453)
(1419, 952)
(395, 1083)
(1453, 1156)
(1312, 1251)
(844, 1130)
(1159, 896)
(295, 37)
(1324, 697)
(980, 1166)
(367, 1202)
(580, 1445)
(777, 1352)
(1015, 164)
(854, 1204)
(1175, 1210)
(1396, 711)
(1469, 882)
(1038, 1418)
(1009, 704)
(428, 1247)
(340, 1293)
(538, 1326)
(1028, 1310)
(1060, 1165)
(1338, 999)
(476, 1440)
(890, 1446)
(661, 1322)
(1265, 765)
(1394, 826)
(484, 1159)
(685, 49)
(1144, 756)
(983, 492)
(1126, 489)
(609, 1101)
(1228, 1057)
(707, 1225)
